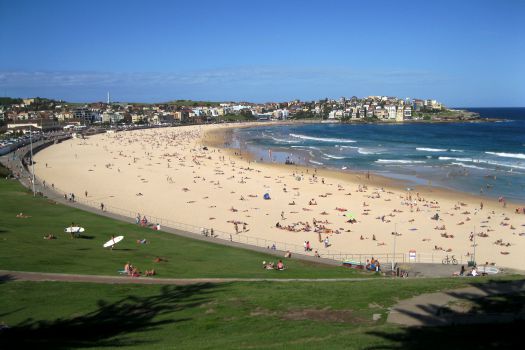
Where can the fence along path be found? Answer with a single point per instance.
(249, 242)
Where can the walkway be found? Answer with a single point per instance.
(61, 277)
(462, 306)
(16, 167)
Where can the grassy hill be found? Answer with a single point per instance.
(255, 315)
(23, 248)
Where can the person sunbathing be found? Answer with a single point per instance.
(268, 266)
(134, 272)
(149, 272)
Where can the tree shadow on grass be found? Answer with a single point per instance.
(85, 237)
(6, 278)
(491, 317)
(111, 324)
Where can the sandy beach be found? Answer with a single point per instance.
(183, 174)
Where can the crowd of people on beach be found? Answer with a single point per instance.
(241, 183)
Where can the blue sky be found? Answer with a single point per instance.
(463, 53)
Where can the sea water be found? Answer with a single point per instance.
(486, 158)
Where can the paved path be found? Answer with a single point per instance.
(452, 307)
(43, 276)
(15, 165)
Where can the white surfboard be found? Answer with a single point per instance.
(74, 229)
(491, 270)
(113, 241)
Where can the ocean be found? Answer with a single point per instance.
(482, 158)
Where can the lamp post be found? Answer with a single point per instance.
(395, 236)
(474, 253)
(32, 163)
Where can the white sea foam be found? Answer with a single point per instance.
(361, 150)
(431, 149)
(457, 159)
(354, 147)
(323, 139)
(468, 165)
(484, 161)
(507, 155)
(457, 150)
(283, 140)
(399, 161)
(314, 162)
(332, 156)
(506, 165)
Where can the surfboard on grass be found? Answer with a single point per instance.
(490, 270)
(74, 229)
(113, 241)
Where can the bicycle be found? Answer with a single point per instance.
(448, 260)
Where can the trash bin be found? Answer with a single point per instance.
(471, 263)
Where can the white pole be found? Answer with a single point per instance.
(32, 162)
(395, 236)
(474, 253)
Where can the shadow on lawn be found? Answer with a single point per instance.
(110, 324)
(494, 321)
(6, 278)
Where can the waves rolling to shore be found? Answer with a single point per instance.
(479, 158)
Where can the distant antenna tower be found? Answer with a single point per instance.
(109, 101)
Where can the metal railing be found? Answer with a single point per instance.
(386, 259)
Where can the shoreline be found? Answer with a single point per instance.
(223, 136)
(168, 173)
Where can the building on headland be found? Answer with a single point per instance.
(87, 115)
(433, 105)
(39, 124)
(392, 111)
(384, 108)
(407, 113)
(400, 114)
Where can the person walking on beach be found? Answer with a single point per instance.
(102, 206)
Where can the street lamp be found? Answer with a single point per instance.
(32, 162)
(395, 236)
(474, 245)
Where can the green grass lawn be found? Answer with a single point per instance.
(23, 248)
(256, 315)
(259, 315)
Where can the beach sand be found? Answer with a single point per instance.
(167, 173)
